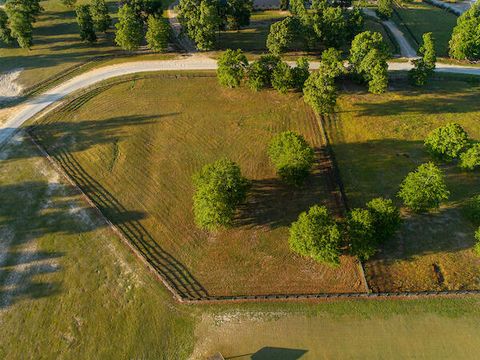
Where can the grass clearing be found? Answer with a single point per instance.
(138, 144)
(377, 141)
(420, 18)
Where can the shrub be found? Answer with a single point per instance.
(292, 156)
(476, 248)
(219, 189)
(386, 217)
(231, 68)
(470, 159)
(316, 235)
(259, 74)
(320, 93)
(447, 142)
(472, 209)
(360, 231)
(424, 188)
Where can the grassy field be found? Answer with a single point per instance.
(420, 18)
(134, 147)
(377, 141)
(68, 287)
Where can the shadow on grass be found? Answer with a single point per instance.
(272, 353)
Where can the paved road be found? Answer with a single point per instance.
(457, 8)
(53, 96)
(406, 50)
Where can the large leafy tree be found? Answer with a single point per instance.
(129, 33)
(424, 188)
(219, 189)
(281, 35)
(465, 41)
(85, 22)
(101, 18)
(315, 234)
(232, 65)
(21, 16)
(292, 156)
(158, 33)
(5, 33)
(447, 142)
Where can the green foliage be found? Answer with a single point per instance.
(129, 33)
(447, 142)
(465, 41)
(320, 93)
(260, 72)
(470, 159)
(69, 3)
(301, 73)
(424, 67)
(281, 35)
(284, 5)
(101, 19)
(427, 50)
(424, 188)
(219, 189)
(5, 33)
(158, 33)
(386, 217)
(332, 63)
(292, 156)
(316, 235)
(21, 16)
(238, 13)
(378, 82)
(472, 209)
(476, 248)
(384, 9)
(232, 65)
(282, 78)
(298, 9)
(144, 8)
(85, 23)
(360, 231)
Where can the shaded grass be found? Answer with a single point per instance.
(377, 141)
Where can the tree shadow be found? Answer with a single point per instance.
(270, 353)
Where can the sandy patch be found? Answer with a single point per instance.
(9, 86)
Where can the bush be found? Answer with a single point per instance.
(360, 231)
(424, 188)
(259, 74)
(472, 210)
(447, 142)
(476, 248)
(231, 68)
(292, 156)
(386, 217)
(320, 93)
(470, 159)
(316, 235)
(219, 189)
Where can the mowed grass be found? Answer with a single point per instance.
(69, 288)
(421, 18)
(142, 141)
(377, 141)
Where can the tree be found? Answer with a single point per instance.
(360, 231)
(465, 41)
(292, 156)
(282, 78)
(281, 35)
(332, 63)
(320, 93)
(298, 9)
(259, 74)
(424, 66)
(129, 33)
(447, 142)
(316, 235)
(472, 209)
(21, 16)
(378, 82)
(5, 33)
(300, 73)
(69, 3)
(219, 189)
(386, 217)
(101, 19)
(424, 188)
(470, 159)
(144, 8)
(158, 33)
(284, 5)
(238, 13)
(477, 244)
(85, 22)
(384, 9)
(232, 65)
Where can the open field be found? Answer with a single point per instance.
(377, 141)
(420, 18)
(134, 146)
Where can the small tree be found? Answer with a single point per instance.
(205, 32)
(385, 9)
(158, 33)
(85, 22)
(447, 142)
(472, 209)
(465, 41)
(424, 188)
(470, 159)
(232, 65)
(300, 73)
(219, 189)
(259, 74)
(320, 93)
(281, 35)
(424, 67)
(360, 231)
(316, 235)
(282, 78)
(292, 156)
(378, 83)
(129, 33)
(20, 22)
(477, 244)
(386, 217)
(332, 63)
(101, 19)
(5, 33)
(238, 13)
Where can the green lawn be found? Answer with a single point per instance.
(134, 147)
(377, 141)
(420, 18)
